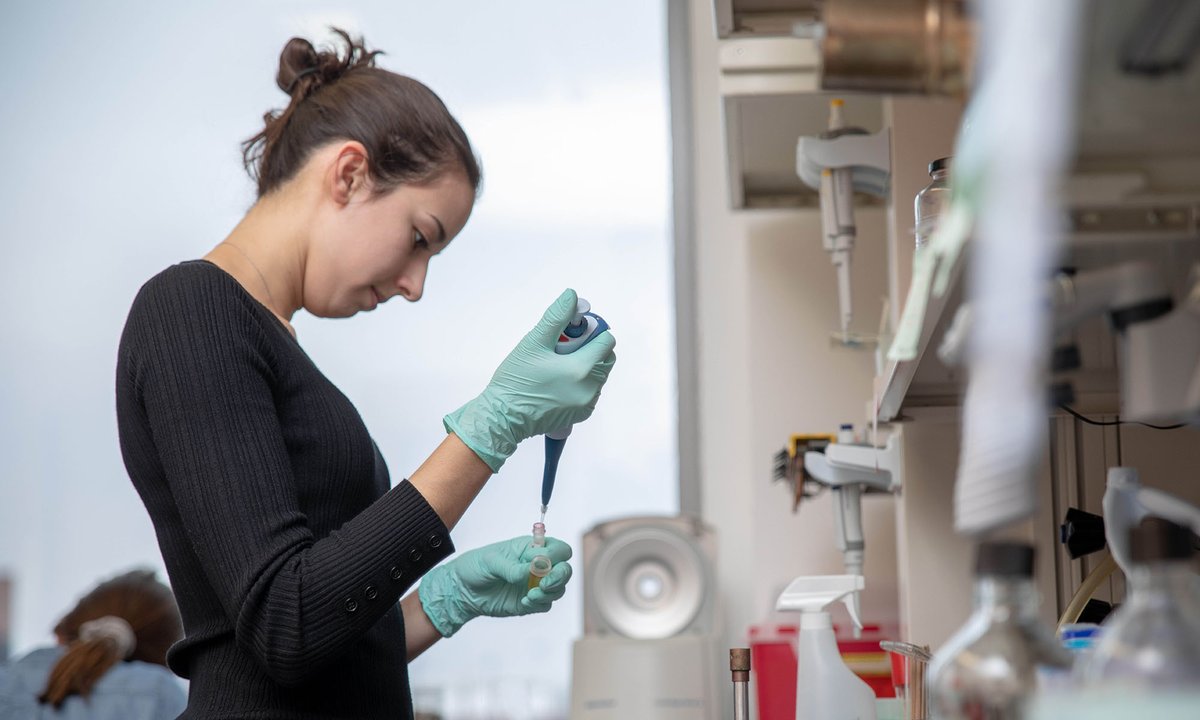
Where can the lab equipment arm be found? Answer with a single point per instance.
(493, 581)
(535, 390)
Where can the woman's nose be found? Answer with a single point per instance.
(412, 282)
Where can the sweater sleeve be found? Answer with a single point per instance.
(203, 372)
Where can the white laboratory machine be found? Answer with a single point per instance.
(649, 648)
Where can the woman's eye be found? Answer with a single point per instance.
(419, 239)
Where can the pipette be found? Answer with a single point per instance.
(585, 326)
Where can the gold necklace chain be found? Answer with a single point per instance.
(266, 285)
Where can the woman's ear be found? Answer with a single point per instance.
(351, 172)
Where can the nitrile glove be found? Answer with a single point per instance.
(493, 581)
(535, 390)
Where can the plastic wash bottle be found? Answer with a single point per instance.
(825, 688)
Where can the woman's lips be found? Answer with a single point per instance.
(376, 299)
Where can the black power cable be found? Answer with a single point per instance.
(1118, 421)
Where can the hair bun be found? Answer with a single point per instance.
(298, 60)
(302, 68)
(337, 93)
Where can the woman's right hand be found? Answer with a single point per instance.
(535, 390)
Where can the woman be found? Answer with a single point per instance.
(286, 547)
(109, 660)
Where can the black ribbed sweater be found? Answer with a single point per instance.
(285, 547)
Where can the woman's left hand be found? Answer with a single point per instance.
(493, 581)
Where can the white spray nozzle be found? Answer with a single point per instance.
(812, 594)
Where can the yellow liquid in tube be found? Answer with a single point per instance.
(539, 568)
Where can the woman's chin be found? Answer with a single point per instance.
(334, 312)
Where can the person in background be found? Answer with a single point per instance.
(110, 661)
(288, 546)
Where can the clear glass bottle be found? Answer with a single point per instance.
(932, 201)
(1152, 642)
(988, 669)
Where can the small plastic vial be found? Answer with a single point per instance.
(540, 566)
(932, 201)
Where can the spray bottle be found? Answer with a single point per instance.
(825, 688)
(582, 329)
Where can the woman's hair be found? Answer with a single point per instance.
(409, 135)
(135, 597)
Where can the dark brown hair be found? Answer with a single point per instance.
(136, 597)
(409, 135)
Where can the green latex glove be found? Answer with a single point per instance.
(535, 390)
(493, 581)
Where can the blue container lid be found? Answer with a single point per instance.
(1079, 631)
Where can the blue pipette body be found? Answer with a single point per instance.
(584, 327)
(554, 448)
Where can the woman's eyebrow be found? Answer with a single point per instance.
(441, 230)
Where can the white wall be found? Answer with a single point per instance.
(766, 303)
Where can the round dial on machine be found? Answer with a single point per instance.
(650, 580)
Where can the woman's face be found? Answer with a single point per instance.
(371, 248)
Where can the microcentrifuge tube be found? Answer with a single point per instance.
(540, 566)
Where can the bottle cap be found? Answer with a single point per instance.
(1156, 539)
(939, 164)
(1004, 559)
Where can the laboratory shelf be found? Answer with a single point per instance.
(1097, 231)
(925, 379)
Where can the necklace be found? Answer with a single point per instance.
(266, 286)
